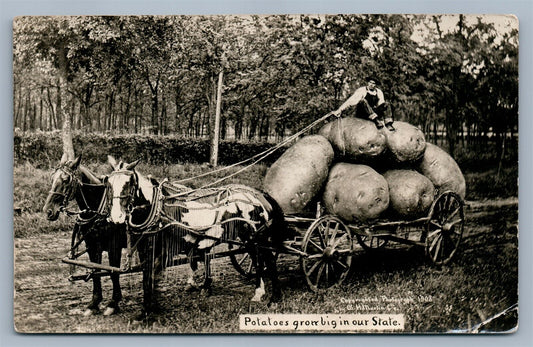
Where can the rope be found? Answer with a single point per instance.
(261, 155)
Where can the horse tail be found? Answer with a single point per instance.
(279, 227)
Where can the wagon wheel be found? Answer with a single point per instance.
(242, 262)
(329, 247)
(371, 243)
(445, 228)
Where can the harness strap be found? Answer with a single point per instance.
(154, 214)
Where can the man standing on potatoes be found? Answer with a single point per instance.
(370, 104)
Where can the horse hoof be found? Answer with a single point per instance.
(205, 292)
(90, 311)
(189, 288)
(257, 298)
(109, 311)
(140, 317)
(272, 305)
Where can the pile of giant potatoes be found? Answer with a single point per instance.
(361, 173)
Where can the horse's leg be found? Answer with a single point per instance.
(95, 256)
(115, 254)
(147, 257)
(191, 285)
(258, 261)
(152, 269)
(273, 272)
(206, 286)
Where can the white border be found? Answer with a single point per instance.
(523, 9)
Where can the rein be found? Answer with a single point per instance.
(254, 159)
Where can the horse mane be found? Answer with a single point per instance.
(146, 185)
(89, 176)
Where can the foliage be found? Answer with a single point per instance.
(44, 149)
(157, 74)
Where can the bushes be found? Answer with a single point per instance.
(46, 148)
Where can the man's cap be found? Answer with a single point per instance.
(372, 78)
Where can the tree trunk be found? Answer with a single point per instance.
(68, 147)
(215, 130)
(162, 116)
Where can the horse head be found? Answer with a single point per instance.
(125, 189)
(64, 184)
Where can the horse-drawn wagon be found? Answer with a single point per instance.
(164, 224)
(176, 225)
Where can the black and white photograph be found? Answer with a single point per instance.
(266, 174)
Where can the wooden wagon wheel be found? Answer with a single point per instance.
(445, 227)
(329, 248)
(242, 262)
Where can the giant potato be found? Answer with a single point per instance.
(299, 174)
(407, 143)
(354, 138)
(355, 192)
(411, 193)
(442, 170)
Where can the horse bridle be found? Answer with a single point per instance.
(72, 184)
(130, 195)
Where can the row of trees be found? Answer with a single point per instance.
(159, 74)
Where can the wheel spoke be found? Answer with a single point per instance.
(447, 241)
(339, 240)
(243, 259)
(438, 248)
(341, 264)
(344, 251)
(455, 222)
(326, 233)
(434, 242)
(333, 235)
(433, 233)
(432, 222)
(452, 215)
(321, 237)
(250, 267)
(317, 246)
(333, 273)
(320, 271)
(315, 256)
(313, 268)
(445, 202)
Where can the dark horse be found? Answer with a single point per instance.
(194, 222)
(74, 181)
